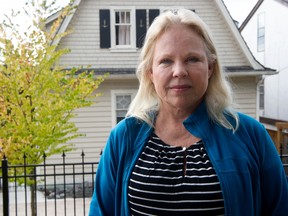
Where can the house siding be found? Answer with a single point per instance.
(245, 95)
(96, 121)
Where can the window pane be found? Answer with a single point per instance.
(261, 32)
(261, 20)
(123, 101)
(128, 17)
(118, 119)
(261, 44)
(121, 113)
(122, 28)
(117, 18)
(122, 104)
(123, 35)
(261, 101)
(122, 18)
(261, 96)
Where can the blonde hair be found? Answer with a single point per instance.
(218, 96)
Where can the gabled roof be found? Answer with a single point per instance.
(255, 8)
(64, 25)
(284, 2)
(234, 29)
(250, 15)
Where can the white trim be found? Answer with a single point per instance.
(53, 17)
(132, 46)
(121, 77)
(66, 21)
(115, 93)
(123, 49)
(251, 73)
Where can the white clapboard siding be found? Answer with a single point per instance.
(245, 95)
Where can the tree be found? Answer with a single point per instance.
(37, 95)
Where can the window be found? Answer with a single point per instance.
(261, 32)
(123, 24)
(261, 96)
(121, 100)
(122, 104)
(124, 28)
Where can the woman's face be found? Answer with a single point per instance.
(180, 69)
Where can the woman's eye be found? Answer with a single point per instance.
(165, 61)
(192, 59)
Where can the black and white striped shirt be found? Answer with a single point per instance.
(169, 180)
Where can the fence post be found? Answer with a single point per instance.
(5, 186)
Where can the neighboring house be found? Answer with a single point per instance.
(266, 33)
(108, 34)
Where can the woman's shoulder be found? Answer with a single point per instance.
(247, 119)
(127, 132)
(249, 123)
(130, 123)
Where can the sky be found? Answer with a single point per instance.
(238, 9)
(16, 5)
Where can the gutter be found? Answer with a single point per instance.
(248, 71)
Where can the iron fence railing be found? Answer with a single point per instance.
(51, 189)
(47, 189)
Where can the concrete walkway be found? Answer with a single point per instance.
(75, 207)
(50, 211)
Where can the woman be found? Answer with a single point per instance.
(182, 150)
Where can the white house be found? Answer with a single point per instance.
(108, 34)
(266, 33)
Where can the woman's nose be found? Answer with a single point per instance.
(179, 70)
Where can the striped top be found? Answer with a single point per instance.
(170, 180)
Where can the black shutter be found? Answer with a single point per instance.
(140, 27)
(152, 15)
(105, 37)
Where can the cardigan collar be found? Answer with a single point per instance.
(196, 124)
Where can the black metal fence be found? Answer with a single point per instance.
(47, 189)
(284, 159)
(51, 189)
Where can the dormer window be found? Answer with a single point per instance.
(124, 28)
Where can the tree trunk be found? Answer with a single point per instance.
(33, 191)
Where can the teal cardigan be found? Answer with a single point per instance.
(250, 171)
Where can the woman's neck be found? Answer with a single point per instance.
(169, 127)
